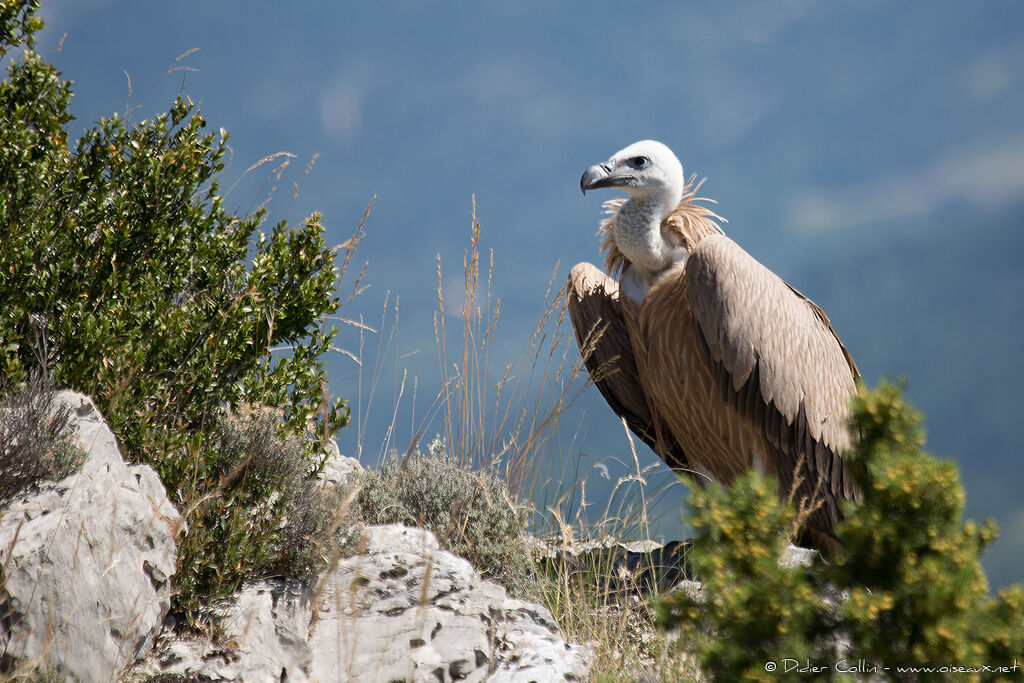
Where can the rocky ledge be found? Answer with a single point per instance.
(86, 567)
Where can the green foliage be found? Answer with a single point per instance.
(911, 564)
(754, 609)
(471, 513)
(122, 270)
(236, 527)
(17, 23)
(913, 591)
(321, 523)
(147, 284)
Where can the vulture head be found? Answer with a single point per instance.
(646, 170)
(653, 177)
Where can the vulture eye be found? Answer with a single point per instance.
(639, 162)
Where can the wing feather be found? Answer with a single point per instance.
(604, 340)
(778, 360)
(723, 357)
(770, 340)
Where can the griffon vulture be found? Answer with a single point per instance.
(710, 358)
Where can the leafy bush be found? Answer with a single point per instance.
(159, 302)
(471, 513)
(234, 529)
(913, 593)
(35, 441)
(754, 610)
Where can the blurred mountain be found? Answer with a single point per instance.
(940, 300)
(870, 153)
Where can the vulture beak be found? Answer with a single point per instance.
(600, 175)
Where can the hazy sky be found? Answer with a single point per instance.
(830, 134)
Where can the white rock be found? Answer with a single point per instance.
(795, 556)
(405, 610)
(261, 637)
(87, 560)
(338, 468)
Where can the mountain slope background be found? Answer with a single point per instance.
(872, 154)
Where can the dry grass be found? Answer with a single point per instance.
(32, 672)
(595, 599)
(34, 440)
(469, 512)
(513, 420)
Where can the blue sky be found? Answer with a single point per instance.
(866, 151)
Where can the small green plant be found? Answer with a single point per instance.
(234, 527)
(754, 610)
(470, 512)
(36, 443)
(906, 592)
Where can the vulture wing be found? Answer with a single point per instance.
(603, 336)
(775, 355)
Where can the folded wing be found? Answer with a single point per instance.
(598, 319)
(778, 362)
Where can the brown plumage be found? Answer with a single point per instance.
(714, 362)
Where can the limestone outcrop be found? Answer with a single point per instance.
(402, 609)
(87, 565)
(86, 562)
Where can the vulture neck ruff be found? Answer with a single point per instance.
(638, 251)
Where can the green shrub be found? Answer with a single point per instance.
(234, 529)
(913, 591)
(911, 564)
(321, 523)
(754, 610)
(159, 302)
(471, 513)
